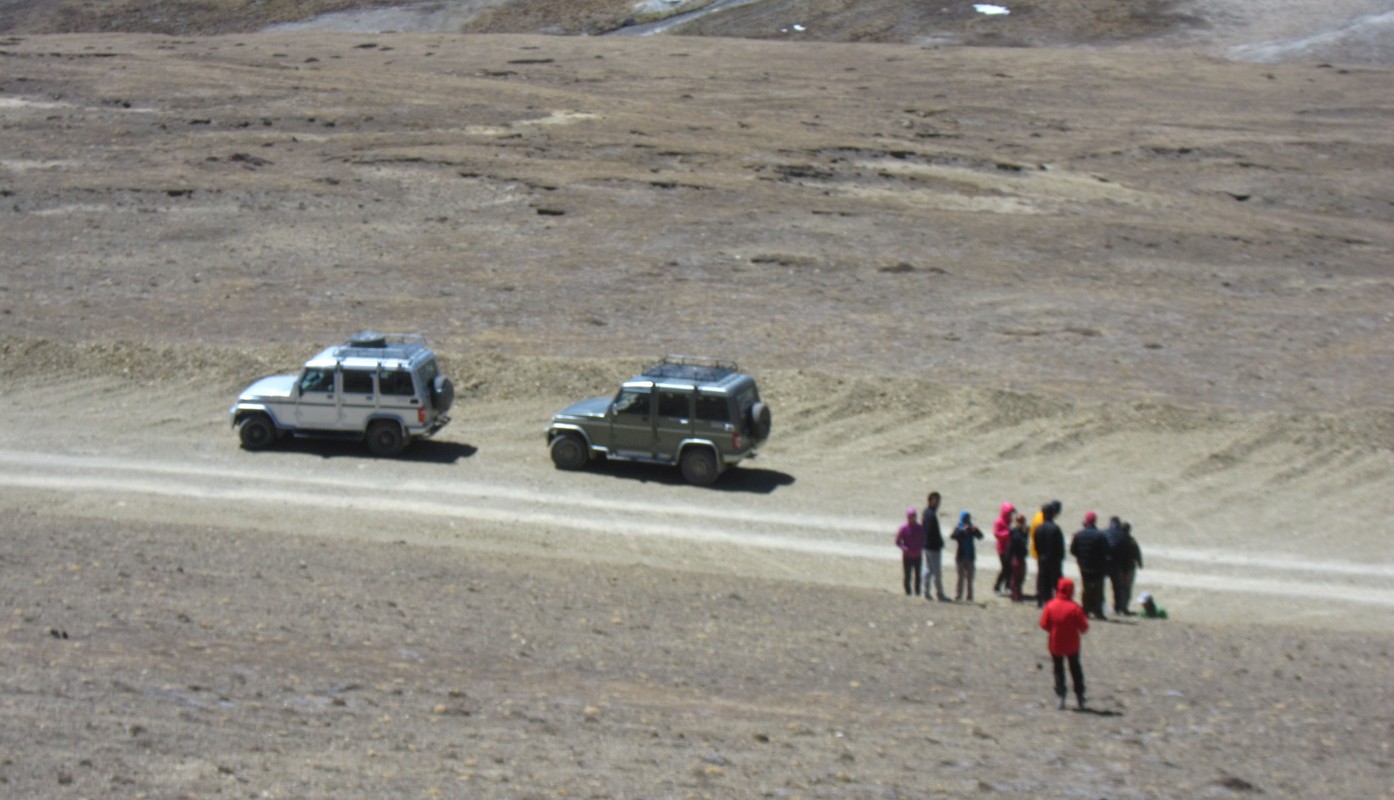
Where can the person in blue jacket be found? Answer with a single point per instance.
(967, 555)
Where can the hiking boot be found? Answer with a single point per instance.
(1060, 702)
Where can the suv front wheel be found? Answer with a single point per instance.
(569, 452)
(256, 431)
(699, 466)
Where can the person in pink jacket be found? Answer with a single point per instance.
(1002, 532)
(1064, 620)
(910, 540)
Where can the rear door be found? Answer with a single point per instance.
(674, 418)
(357, 399)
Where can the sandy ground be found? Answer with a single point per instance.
(1145, 283)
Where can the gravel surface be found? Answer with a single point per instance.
(1143, 281)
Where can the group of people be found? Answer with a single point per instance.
(1111, 554)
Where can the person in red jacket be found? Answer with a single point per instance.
(1002, 532)
(1064, 620)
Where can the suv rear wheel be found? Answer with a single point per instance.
(385, 438)
(256, 431)
(699, 466)
(569, 452)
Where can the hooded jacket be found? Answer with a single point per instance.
(910, 537)
(1002, 528)
(964, 534)
(1064, 620)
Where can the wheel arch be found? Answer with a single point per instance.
(242, 412)
(558, 430)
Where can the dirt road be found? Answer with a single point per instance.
(486, 485)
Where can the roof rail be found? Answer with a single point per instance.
(700, 368)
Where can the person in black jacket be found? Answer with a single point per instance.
(1018, 547)
(1050, 554)
(933, 548)
(1127, 560)
(1090, 548)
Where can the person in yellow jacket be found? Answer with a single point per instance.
(1036, 523)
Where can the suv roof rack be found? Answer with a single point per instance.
(371, 344)
(696, 368)
(375, 339)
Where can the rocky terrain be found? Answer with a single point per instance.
(1113, 268)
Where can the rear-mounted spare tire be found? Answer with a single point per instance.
(760, 422)
(442, 394)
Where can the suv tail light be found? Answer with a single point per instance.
(736, 440)
(421, 415)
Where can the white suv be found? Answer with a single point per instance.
(385, 389)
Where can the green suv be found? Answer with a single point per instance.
(701, 414)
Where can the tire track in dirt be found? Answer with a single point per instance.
(810, 534)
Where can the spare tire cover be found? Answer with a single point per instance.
(760, 421)
(442, 393)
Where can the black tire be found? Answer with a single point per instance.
(569, 452)
(760, 422)
(699, 466)
(442, 393)
(256, 431)
(385, 439)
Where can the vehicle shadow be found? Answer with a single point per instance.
(751, 480)
(428, 451)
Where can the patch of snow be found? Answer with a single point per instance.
(987, 8)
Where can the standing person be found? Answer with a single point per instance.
(910, 540)
(1090, 549)
(1002, 533)
(1065, 621)
(933, 549)
(1127, 560)
(1050, 554)
(1017, 549)
(967, 554)
(1036, 523)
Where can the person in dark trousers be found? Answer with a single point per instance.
(1018, 547)
(910, 540)
(1127, 560)
(1089, 546)
(967, 556)
(1064, 622)
(1050, 554)
(1002, 535)
(933, 549)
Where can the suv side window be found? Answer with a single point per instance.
(317, 380)
(358, 381)
(674, 405)
(396, 382)
(632, 402)
(713, 408)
